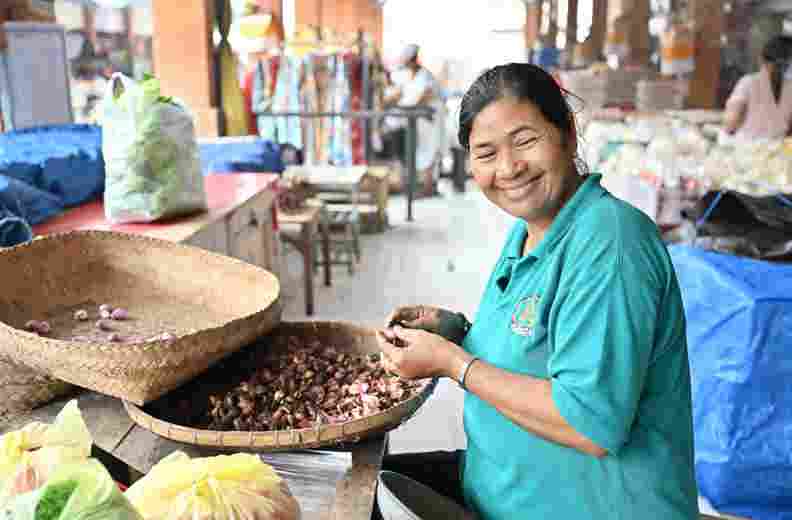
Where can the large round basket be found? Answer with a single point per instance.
(207, 305)
(172, 415)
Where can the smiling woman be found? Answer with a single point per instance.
(578, 400)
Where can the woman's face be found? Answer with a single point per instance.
(521, 161)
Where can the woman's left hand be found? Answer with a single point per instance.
(421, 355)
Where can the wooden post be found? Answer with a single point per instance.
(599, 26)
(184, 60)
(708, 23)
(571, 25)
(533, 19)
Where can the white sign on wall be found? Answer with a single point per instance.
(34, 76)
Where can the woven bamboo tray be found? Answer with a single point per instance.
(173, 415)
(212, 304)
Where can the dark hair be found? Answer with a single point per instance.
(523, 82)
(778, 52)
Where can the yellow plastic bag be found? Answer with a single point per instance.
(28, 456)
(226, 487)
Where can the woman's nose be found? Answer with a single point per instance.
(507, 163)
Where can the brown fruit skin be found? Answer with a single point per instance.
(306, 387)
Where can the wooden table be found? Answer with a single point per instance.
(309, 220)
(329, 485)
(239, 221)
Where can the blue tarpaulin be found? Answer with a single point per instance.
(739, 319)
(240, 156)
(47, 169)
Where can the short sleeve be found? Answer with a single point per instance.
(741, 92)
(413, 91)
(602, 337)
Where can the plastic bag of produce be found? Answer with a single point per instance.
(75, 491)
(29, 456)
(226, 487)
(152, 162)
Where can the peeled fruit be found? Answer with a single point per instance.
(81, 315)
(105, 314)
(32, 326)
(42, 328)
(105, 307)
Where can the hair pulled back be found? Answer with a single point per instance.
(519, 81)
(778, 52)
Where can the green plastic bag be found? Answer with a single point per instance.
(152, 163)
(76, 491)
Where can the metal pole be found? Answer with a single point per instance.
(412, 144)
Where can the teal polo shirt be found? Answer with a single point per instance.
(596, 309)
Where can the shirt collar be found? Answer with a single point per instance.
(586, 193)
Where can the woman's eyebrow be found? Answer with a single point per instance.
(512, 133)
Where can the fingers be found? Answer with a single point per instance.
(406, 335)
(406, 314)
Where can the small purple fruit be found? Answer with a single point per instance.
(81, 315)
(114, 338)
(44, 328)
(103, 325)
(32, 326)
(119, 314)
(105, 307)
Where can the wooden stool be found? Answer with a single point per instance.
(311, 224)
(343, 223)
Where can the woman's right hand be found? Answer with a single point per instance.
(423, 317)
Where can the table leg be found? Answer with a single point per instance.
(307, 233)
(355, 492)
(328, 266)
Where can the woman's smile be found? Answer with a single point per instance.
(525, 184)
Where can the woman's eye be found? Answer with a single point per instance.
(526, 142)
(486, 156)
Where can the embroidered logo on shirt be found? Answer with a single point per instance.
(523, 318)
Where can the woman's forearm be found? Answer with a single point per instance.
(527, 401)
(733, 118)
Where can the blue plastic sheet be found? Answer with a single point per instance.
(247, 156)
(47, 169)
(739, 316)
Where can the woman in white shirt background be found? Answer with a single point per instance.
(414, 85)
(760, 106)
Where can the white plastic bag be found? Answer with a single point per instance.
(28, 456)
(76, 491)
(152, 164)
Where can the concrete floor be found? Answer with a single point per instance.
(442, 258)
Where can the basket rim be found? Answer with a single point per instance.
(394, 417)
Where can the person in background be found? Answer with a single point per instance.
(760, 106)
(414, 86)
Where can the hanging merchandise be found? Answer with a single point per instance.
(288, 130)
(340, 131)
(677, 47)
